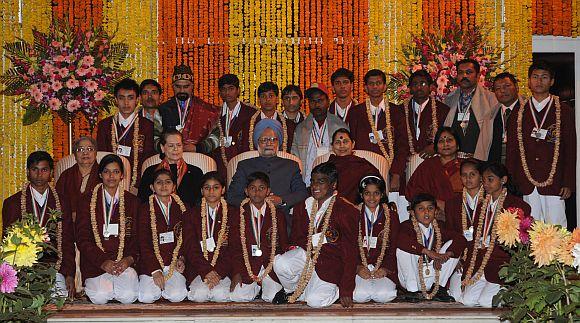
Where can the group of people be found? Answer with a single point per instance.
(316, 231)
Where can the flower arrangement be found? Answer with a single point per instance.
(26, 280)
(541, 282)
(437, 52)
(65, 71)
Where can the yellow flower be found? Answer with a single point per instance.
(507, 228)
(21, 255)
(545, 241)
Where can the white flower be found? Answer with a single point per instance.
(576, 254)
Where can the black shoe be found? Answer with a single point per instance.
(414, 297)
(281, 297)
(443, 296)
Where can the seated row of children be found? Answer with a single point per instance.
(335, 251)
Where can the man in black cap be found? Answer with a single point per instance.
(190, 115)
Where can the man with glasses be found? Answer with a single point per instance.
(471, 110)
(286, 181)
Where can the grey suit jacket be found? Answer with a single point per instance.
(304, 130)
(285, 179)
(484, 106)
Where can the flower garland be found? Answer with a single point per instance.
(273, 241)
(387, 129)
(312, 255)
(23, 212)
(557, 134)
(385, 234)
(481, 195)
(135, 149)
(421, 261)
(222, 236)
(470, 279)
(96, 234)
(433, 122)
(222, 144)
(155, 236)
(284, 129)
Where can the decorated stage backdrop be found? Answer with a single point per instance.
(285, 41)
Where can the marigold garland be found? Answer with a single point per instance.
(273, 241)
(155, 236)
(388, 130)
(222, 141)
(385, 233)
(96, 234)
(134, 149)
(222, 235)
(438, 239)
(557, 134)
(480, 198)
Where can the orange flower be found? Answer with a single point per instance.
(545, 242)
(507, 228)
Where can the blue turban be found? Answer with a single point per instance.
(268, 123)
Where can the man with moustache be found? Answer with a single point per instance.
(505, 87)
(190, 115)
(151, 91)
(471, 110)
(342, 81)
(312, 137)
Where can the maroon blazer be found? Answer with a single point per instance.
(408, 240)
(148, 262)
(499, 256)
(290, 128)
(351, 169)
(238, 264)
(453, 209)
(69, 185)
(146, 150)
(11, 213)
(390, 259)
(196, 263)
(332, 109)
(360, 128)
(539, 153)
(339, 256)
(239, 126)
(91, 256)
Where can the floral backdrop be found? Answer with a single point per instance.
(287, 41)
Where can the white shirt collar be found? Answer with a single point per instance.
(255, 210)
(321, 208)
(419, 107)
(108, 197)
(235, 112)
(263, 116)
(126, 122)
(472, 200)
(211, 211)
(424, 228)
(375, 215)
(381, 107)
(297, 119)
(39, 197)
(340, 110)
(541, 105)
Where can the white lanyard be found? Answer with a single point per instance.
(182, 116)
(108, 211)
(211, 217)
(257, 226)
(370, 219)
(126, 131)
(318, 133)
(545, 114)
(39, 213)
(164, 210)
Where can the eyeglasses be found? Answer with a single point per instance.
(265, 140)
(87, 149)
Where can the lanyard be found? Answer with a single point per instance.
(230, 115)
(467, 106)
(428, 240)
(370, 220)
(377, 115)
(318, 134)
(164, 210)
(211, 217)
(257, 226)
(418, 120)
(39, 213)
(126, 131)
(108, 208)
(545, 114)
(469, 211)
(182, 115)
(492, 208)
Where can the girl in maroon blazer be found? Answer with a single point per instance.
(106, 237)
(207, 249)
(485, 256)
(161, 242)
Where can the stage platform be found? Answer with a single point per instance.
(265, 312)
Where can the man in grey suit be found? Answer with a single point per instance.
(312, 136)
(285, 179)
(471, 112)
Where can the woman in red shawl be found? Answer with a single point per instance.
(351, 168)
(439, 175)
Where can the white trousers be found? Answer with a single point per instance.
(481, 293)
(200, 292)
(123, 288)
(402, 205)
(248, 292)
(455, 286)
(60, 286)
(380, 290)
(175, 289)
(547, 208)
(318, 293)
(408, 266)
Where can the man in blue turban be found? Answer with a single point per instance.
(265, 124)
